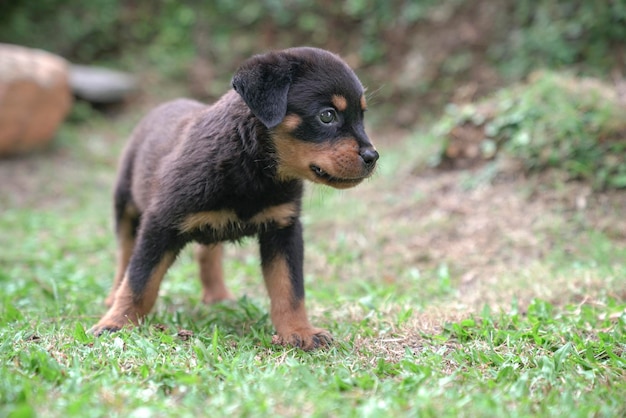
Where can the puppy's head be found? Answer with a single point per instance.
(313, 105)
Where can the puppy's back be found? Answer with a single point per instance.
(155, 137)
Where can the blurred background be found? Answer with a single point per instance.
(415, 56)
(500, 123)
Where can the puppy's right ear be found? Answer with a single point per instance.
(263, 82)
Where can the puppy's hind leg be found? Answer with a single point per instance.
(126, 224)
(211, 273)
(155, 250)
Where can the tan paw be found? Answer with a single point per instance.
(112, 322)
(211, 298)
(100, 328)
(306, 338)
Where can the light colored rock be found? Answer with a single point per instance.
(34, 97)
(101, 85)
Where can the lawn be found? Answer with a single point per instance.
(448, 294)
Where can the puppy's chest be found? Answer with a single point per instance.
(226, 224)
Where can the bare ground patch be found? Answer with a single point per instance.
(495, 230)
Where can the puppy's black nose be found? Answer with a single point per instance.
(369, 155)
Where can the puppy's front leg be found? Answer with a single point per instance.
(154, 252)
(282, 257)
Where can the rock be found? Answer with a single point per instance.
(34, 97)
(101, 85)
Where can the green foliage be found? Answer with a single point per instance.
(103, 28)
(555, 120)
(559, 33)
(169, 37)
(79, 30)
(396, 45)
(543, 33)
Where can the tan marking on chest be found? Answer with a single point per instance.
(218, 219)
(283, 215)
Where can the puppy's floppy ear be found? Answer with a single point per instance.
(263, 82)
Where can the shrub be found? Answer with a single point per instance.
(553, 120)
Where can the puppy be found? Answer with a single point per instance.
(210, 174)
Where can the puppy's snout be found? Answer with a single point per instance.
(369, 156)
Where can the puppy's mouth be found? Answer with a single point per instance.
(333, 181)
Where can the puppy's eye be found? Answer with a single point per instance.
(328, 116)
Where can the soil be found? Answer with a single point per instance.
(502, 235)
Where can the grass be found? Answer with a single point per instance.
(407, 341)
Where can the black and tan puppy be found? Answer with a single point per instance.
(209, 174)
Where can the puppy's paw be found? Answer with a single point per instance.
(100, 329)
(305, 338)
(212, 298)
(113, 323)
